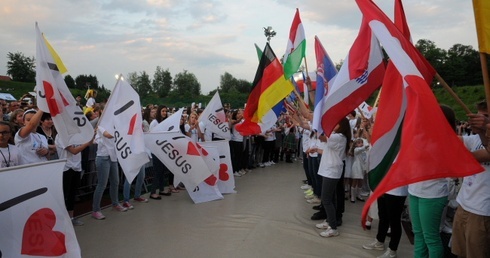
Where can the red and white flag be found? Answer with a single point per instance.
(54, 97)
(226, 180)
(422, 154)
(207, 190)
(360, 75)
(180, 155)
(33, 217)
(214, 118)
(122, 119)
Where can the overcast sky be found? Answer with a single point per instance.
(205, 37)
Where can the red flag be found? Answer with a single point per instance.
(424, 152)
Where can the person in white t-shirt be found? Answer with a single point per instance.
(10, 153)
(471, 223)
(71, 173)
(32, 145)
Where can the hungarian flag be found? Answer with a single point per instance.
(54, 97)
(214, 118)
(296, 47)
(423, 153)
(360, 75)
(34, 220)
(326, 72)
(482, 21)
(264, 103)
(385, 139)
(122, 119)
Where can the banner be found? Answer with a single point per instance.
(33, 216)
(226, 180)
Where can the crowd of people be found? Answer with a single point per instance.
(335, 169)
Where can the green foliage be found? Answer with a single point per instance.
(20, 67)
(162, 82)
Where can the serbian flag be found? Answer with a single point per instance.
(360, 75)
(214, 118)
(122, 119)
(326, 72)
(296, 47)
(481, 9)
(264, 103)
(423, 154)
(33, 215)
(180, 155)
(385, 139)
(54, 97)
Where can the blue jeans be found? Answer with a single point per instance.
(137, 186)
(105, 169)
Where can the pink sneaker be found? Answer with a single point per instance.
(140, 199)
(128, 205)
(118, 207)
(98, 215)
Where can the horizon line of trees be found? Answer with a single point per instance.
(459, 66)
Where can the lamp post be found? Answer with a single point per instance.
(269, 33)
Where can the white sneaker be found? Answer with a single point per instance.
(309, 196)
(388, 254)
(330, 232)
(305, 187)
(323, 225)
(242, 172)
(267, 164)
(237, 174)
(261, 165)
(376, 245)
(272, 162)
(314, 200)
(308, 192)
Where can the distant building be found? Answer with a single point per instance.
(5, 78)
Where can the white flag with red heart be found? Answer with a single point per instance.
(207, 190)
(226, 181)
(33, 217)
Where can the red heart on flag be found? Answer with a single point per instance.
(211, 180)
(39, 239)
(223, 172)
(204, 151)
(192, 150)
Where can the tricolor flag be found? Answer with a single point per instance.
(34, 220)
(259, 51)
(296, 47)
(180, 155)
(214, 118)
(422, 154)
(482, 21)
(360, 75)
(326, 72)
(264, 103)
(122, 119)
(385, 139)
(54, 97)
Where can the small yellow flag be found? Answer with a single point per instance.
(482, 21)
(61, 67)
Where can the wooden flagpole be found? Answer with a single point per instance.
(486, 79)
(377, 98)
(452, 93)
(311, 93)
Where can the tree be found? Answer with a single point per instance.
(227, 82)
(244, 86)
(162, 82)
(436, 56)
(141, 83)
(186, 85)
(84, 81)
(70, 82)
(20, 67)
(463, 66)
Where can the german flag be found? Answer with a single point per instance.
(269, 89)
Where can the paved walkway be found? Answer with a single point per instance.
(267, 217)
